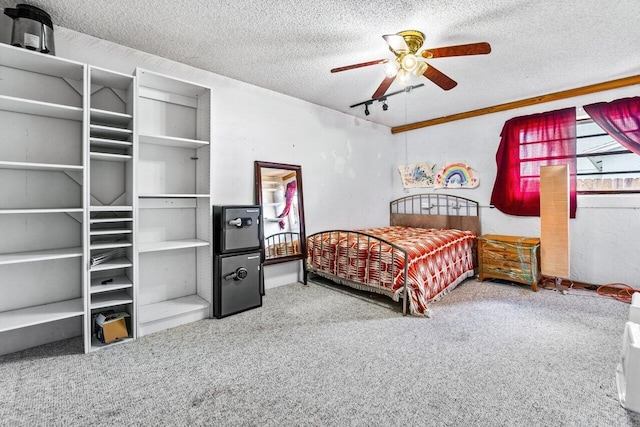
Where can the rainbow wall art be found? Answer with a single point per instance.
(417, 175)
(457, 175)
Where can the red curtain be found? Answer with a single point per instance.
(620, 119)
(527, 143)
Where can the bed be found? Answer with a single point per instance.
(286, 243)
(436, 233)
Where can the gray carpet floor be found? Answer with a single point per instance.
(493, 354)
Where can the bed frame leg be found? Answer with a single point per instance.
(404, 302)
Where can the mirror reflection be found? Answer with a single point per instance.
(279, 192)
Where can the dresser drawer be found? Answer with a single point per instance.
(512, 258)
(492, 252)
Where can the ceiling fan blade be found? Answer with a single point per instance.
(396, 43)
(439, 78)
(360, 65)
(459, 50)
(384, 86)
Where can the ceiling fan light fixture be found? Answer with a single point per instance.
(420, 68)
(391, 68)
(409, 62)
(403, 76)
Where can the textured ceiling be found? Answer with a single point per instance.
(289, 46)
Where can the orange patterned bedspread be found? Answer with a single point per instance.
(438, 260)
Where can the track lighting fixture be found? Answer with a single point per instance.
(383, 99)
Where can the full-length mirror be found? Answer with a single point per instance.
(279, 192)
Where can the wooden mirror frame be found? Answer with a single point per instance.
(258, 199)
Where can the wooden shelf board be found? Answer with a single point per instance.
(171, 245)
(110, 299)
(171, 308)
(119, 282)
(39, 108)
(109, 117)
(40, 166)
(22, 318)
(109, 157)
(112, 265)
(44, 255)
(109, 232)
(40, 211)
(171, 141)
(110, 245)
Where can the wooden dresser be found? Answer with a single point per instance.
(512, 258)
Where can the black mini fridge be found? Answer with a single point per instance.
(237, 279)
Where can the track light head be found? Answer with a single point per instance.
(385, 107)
(366, 109)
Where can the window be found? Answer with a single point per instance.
(604, 166)
(526, 144)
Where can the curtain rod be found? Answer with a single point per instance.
(584, 90)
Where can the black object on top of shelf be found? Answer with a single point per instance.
(32, 28)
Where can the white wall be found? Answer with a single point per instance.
(346, 162)
(605, 235)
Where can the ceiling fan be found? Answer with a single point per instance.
(405, 46)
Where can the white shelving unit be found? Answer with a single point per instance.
(173, 191)
(110, 230)
(42, 174)
(97, 214)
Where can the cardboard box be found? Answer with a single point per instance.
(111, 327)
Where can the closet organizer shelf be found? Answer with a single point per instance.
(110, 245)
(108, 220)
(173, 195)
(109, 157)
(27, 60)
(40, 210)
(116, 283)
(110, 299)
(36, 315)
(171, 141)
(39, 108)
(37, 86)
(110, 117)
(109, 143)
(110, 208)
(40, 166)
(171, 308)
(169, 245)
(109, 132)
(113, 264)
(42, 255)
(110, 231)
(97, 345)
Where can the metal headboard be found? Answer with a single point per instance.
(434, 204)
